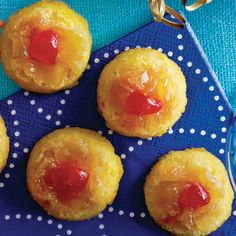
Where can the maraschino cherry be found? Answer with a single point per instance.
(67, 180)
(140, 104)
(194, 196)
(44, 46)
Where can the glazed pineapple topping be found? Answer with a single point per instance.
(140, 104)
(44, 47)
(193, 196)
(66, 180)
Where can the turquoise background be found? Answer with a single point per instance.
(214, 25)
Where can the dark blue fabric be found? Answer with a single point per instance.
(205, 123)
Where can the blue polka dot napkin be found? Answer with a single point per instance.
(29, 117)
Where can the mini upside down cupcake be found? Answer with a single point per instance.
(189, 193)
(73, 173)
(45, 47)
(141, 93)
(4, 145)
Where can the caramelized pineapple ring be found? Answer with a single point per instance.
(73, 173)
(141, 93)
(189, 193)
(4, 144)
(32, 59)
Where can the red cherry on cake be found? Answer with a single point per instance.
(44, 47)
(140, 104)
(67, 180)
(194, 196)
